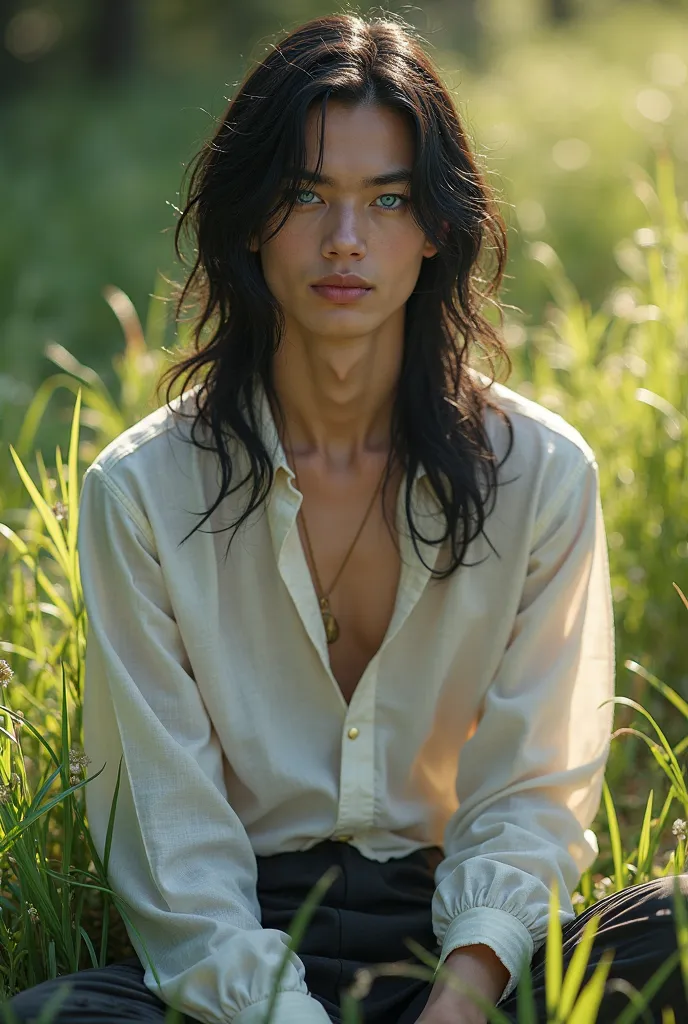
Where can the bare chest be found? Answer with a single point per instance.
(364, 596)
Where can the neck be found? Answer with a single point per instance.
(337, 398)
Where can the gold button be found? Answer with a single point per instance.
(343, 839)
(352, 733)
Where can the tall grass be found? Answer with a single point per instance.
(620, 374)
(617, 373)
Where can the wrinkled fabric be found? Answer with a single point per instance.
(479, 726)
(365, 917)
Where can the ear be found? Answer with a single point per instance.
(253, 244)
(429, 249)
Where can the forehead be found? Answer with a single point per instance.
(359, 141)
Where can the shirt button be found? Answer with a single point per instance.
(343, 839)
(352, 733)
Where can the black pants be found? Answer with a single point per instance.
(363, 919)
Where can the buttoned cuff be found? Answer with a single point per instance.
(290, 1008)
(501, 931)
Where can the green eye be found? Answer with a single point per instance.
(390, 200)
(392, 196)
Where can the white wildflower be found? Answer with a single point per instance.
(602, 887)
(60, 510)
(680, 829)
(77, 762)
(6, 673)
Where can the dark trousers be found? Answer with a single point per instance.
(365, 916)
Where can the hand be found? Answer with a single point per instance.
(451, 1011)
(447, 1006)
(479, 968)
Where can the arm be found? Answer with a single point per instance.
(530, 778)
(480, 968)
(180, 856)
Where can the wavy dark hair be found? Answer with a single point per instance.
(237, 187)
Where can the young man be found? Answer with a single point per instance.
(402, 665)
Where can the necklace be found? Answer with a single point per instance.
(330, 622)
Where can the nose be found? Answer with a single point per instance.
(344, 234)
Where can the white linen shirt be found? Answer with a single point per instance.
(477, 726)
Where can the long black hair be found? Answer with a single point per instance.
(237, 187)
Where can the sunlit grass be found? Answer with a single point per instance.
(618, 373)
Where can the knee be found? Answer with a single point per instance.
(11, 1012)
(44, 998)
(14, 1010)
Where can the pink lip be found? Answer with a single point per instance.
(336, 294)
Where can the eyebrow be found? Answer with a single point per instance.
(401, 175)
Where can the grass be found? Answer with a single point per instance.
(617, 373)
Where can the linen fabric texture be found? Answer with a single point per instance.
(482, 725)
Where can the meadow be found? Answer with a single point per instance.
(605, 343)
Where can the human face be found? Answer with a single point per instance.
(347, 224)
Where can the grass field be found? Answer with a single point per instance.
(608, 349)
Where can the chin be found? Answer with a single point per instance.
(340, 322)
(345, 331)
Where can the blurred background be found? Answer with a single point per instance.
(578, 112)
(104, 102)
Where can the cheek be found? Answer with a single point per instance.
(280, 258)
(284, 244)
(403, 254)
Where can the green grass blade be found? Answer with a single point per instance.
(586, 1009)
(665, 743)
(35, 412)
(576, 969)
(681, 919)
(46, 513)
(642, 998)
(526, 1010)
(644, 842)
(679, 703)
(73, 489)
(89, 947)
(297, 930)
(21, 827)
(553, 953)
(614, 838)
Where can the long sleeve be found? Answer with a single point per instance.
(180, 856)
(529, 780)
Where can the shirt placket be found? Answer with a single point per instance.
(355, 812)
(356, 806)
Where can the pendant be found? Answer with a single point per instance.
(331, 624)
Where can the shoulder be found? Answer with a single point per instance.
(539, 433)
(146, 441)
(550, 462)
(152, 466)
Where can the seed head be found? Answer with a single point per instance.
(60, 510)
(77, 762)
(680, 828)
